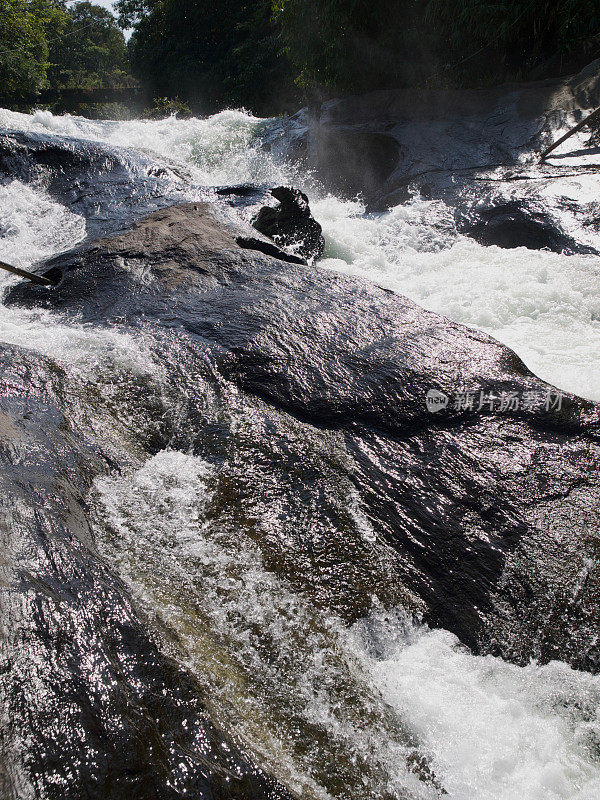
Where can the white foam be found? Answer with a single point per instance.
(33, 227)
(275, 665)
(277, 669)
(544, 305)
(222, 149)
(497, 731)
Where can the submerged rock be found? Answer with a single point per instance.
(517, 223)
(476, 504)
(109, 186)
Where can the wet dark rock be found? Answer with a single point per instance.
(485, 521)
(91, 706)
(353, 162)
(291, 224)
(468, 501)
(238, 191)
(517, 223)
(113, 188)
(110, 187)
(459, 146)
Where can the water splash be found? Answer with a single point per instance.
(33, 227)
(544, 305)
(383, 709)
(495, 731)
(276, 667)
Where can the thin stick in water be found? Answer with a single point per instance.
(23, 273)
(593, 117)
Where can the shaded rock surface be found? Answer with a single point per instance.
(290, 223)
(474, 149)
(516, 223)
(110, 187)
(466, 501)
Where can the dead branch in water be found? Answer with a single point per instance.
(23, 273)
(593, 117)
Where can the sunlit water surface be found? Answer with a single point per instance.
(397, 709)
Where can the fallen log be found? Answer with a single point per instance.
(589, 120)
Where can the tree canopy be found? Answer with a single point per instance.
(45, 44)
(492, 40)
(354, 45)
(91, 50)
(23, 50)
(212, 54)
(234, 52)
(266, 55)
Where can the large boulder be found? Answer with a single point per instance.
(477, 503)
(109, 186)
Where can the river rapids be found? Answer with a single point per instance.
(208, 539)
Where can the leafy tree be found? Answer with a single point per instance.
(44, 44)
(255, 73)
(164, 107)
(357, 45)
(490, 40)
(133, 11)
(211, 54)
(91, 50)
(23, 51)
(179, 46)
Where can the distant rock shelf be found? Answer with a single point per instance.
(462, 147)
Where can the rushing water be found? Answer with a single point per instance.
(543, 305)
(384, 708)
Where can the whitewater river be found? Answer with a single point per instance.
(396, 700)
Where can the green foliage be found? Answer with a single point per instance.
(91, 51)
(356, 45)
(222, 53)
(251, 54)
(507, 39)
(163, 107)
(116, 111)
(259, 54)
(23, 51)
(45, 45)
(132, 11)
